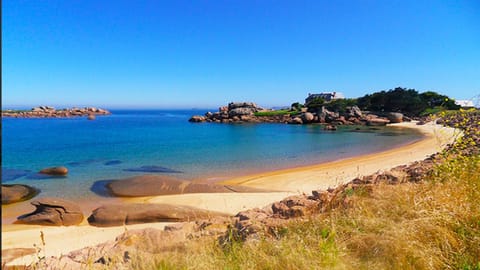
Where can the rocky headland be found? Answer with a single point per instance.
(51, 112)
(249, 112)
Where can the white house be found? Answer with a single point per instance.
(465, 103)
(327, 96)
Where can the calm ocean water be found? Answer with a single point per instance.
(111, 146)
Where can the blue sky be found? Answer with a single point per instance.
(183, 54)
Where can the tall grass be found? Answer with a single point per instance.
(432, 225)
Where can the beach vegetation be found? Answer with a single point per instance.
(296, 106)
(276, 112)
(407, 101)
(335, 105)
(315, 103)
(341, 105)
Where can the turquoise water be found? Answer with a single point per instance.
(111, 146)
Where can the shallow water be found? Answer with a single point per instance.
(129, 143)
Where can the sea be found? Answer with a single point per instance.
(135, 142)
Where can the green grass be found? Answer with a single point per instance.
(275, 113)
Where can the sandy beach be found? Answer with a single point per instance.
(62, 240)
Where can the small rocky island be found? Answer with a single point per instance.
(237, 112)
(51, 112)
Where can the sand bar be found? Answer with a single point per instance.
(62, 240)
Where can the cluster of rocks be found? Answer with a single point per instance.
(352, 116)
(53, 211)
(18, 192)
(234, 112)
(245, 112)
(51, 112)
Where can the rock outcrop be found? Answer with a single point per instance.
(234, 112)
(17, 193)
(238, 112)
(51, 112)
(124, 214)
(154, 185)
(197, 119)
(53, 212)
(55, 171)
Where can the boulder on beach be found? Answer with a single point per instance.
(154, 185)
(17, 193)
(53, 212)
(395, 117)
(55, 171)
(124, 214)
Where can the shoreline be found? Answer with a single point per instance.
(289, 181)
(336, 172)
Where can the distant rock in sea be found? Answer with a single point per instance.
(112, 162)
(55, 171)
(51, 112)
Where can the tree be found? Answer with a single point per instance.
(407, 101)
(296, 106)
(315, 104)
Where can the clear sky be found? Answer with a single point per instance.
(171, 54)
